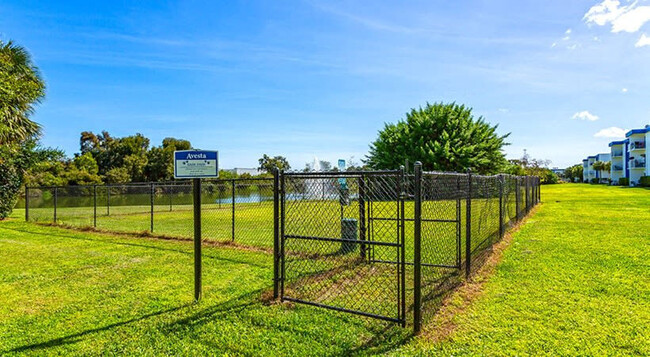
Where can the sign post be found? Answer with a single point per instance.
(195, 165)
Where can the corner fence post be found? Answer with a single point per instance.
(468, 226)
(362, 215)
(501, 183)
(233, 211)
(282, 239)
(95, 206)
(276, 231)
(56, 198)
(197, 238)
(417, 250)
(26, 203)
(151, 190)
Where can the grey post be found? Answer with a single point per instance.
(517, 197)
(197, 238)
(108, 200)
(362, 216)
(417, 253)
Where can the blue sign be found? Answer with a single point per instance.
(342, 182)
(196, 164)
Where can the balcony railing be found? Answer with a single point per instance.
(637, 164)
(637, 145)
(617, 153)
(617, 168)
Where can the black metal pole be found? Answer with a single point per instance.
(170, 192)
(197, 238)
(276, 232)
(108, 200)
(56, 196)
(282, 247)
(26, 203)
(233, 210)
(417, 253)
(501, 183)
(517, 198)
(151, 191)
(401, 240)
(458, 224)
(468, 226)
(362, 215)
(95, 206)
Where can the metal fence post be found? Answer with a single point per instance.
(526, 196)
(95, 206)
(468, 226)
(282, 247)
(402, 254)
(26, 203)
(517, 198)
(171, 197)
(501, 183)
(417, 250)
(276, 231)
(458, 225)
(108, 200)
(233, 210)
(56, 197)
(197, 238)
(362, 215)
(151, 193)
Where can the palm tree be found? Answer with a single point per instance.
(21, 87)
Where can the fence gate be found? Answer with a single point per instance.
(341, 241)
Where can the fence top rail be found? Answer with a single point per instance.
(337, 174)
(444, 173)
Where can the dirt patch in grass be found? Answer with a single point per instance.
(442, 325)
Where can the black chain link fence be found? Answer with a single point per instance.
(235, 210)
(384, 244)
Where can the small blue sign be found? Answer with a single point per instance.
(342, 181)
(196, 164)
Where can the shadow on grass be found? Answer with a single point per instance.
(73, 338)
(109, 241)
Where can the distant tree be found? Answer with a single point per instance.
(444, 137)
(532, 167)
(117, 175)
(325, 165)
(268, 163)
(574, 173)
(601, 166)
(86, 162)
(160, 159)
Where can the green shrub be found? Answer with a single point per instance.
(644, 181)
(594, 180)
(624, 181)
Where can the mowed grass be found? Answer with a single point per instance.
(575, 281)
(66, 292)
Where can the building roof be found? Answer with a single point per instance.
(620, 142)
(638, 131)
(592, 157)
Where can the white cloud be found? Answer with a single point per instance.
(566, 38)
(503, 110)
(567, 32)
(553, 44)
(643, 41)
(611, 132)
(624, 90)
(622, 18)
(596, 38)
(572, 47)
(585, 115)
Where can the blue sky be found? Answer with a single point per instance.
(307, 78)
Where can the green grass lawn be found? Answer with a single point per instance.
(575, 280)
